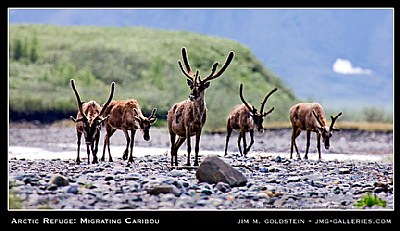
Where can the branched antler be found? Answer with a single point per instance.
(265, 100)
(334, 120)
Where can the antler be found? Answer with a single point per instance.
(331, 128)
(213, 69)
(78, 98)
(222, 70)
(244, 101)
(153, 113)
(265, 100)
(109, 99)
(188, 71)
(266, 113)
(319, 121)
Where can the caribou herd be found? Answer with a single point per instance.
(187, 118)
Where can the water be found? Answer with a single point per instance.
(69, 152)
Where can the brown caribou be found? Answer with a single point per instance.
(126, 115)
(245, 118)
(88, 122)
(187, 118)
(311, 118)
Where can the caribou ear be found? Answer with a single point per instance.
(190, 83)
(206, 85)
(320, 130)
(336, 129)
(136, 116)
(73, 119)
(152, 120)
(104, 118)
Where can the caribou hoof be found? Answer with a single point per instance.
(196, 164)
(125, 156)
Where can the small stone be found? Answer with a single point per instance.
(109, 177)
(293, 179)
(344, 171)
(59, 180)
(73, 189)
(223, 187)
(164, 189)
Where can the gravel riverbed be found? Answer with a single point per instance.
(274, 181)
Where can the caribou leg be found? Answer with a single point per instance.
(128, 140)
(295, 134)
(319, 145)
(133, 132)
(196, 149)
(78, 135)
(308, 135)
(178, 144)
(228, 135)
(189, 147)
(238, 142)
(251, 141)
(95, 147)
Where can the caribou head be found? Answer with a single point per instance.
(195, 83)
(258, 117)
(90, 114)
(145, 122)
(326, 131)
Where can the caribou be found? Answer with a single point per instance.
(187, 118)
(88, 122)
(245, 118)
(126, 115)
(311, 118)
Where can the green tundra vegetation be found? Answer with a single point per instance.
(144, 64)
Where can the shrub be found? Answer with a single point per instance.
(368, 200)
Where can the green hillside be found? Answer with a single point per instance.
(142, 62)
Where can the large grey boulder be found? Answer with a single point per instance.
(213, 170)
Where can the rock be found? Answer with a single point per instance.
(27, 180)
(133, 176)
(52, 187)
(109, 177)
(59, 180)
(293, 179)
(164, 189)
(73, 189)
(223, 187)
(344, 171)
(213, 170)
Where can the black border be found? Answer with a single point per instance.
(189, 218)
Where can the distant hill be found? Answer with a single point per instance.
(142, 62)
(297, 45)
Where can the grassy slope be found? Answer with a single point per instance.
(142, 62)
